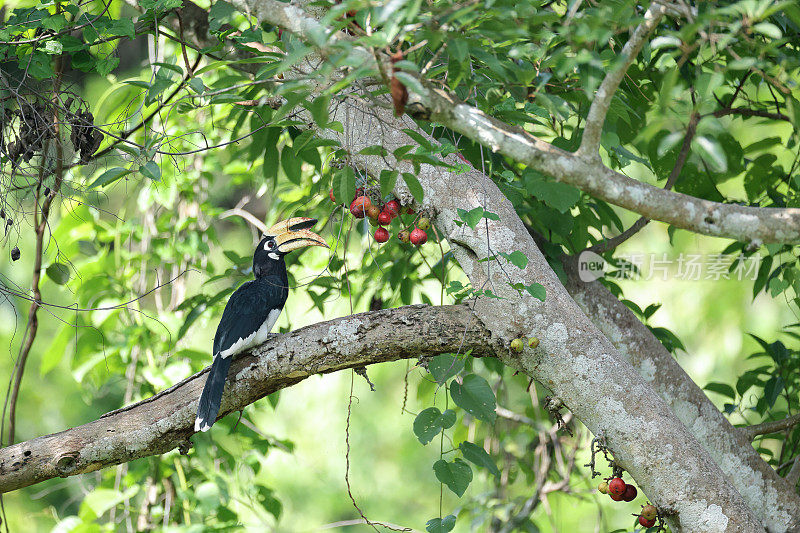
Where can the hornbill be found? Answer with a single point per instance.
(254, 308)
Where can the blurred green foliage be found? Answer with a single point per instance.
(147, 244)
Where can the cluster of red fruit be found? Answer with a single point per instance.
(362, 206)
(621, 491)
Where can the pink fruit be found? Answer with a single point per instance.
(381, 235)
(616, 486)
(360, 206)
(418, 238)
(384, 218)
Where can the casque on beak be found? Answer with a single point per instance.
(293, 233)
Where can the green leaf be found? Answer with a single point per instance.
(445, 366)
(431, 421)
(441, 525)
(344, 186)
(292, 165)
(53, 47)
(106, 65)
(414, 186)
(59, 273)
(721, 388)
(471, 217)
(100, 500)
(768, 29)
(123, 27)
(56, 349)
(193, 315)
(388, 179)
(536, 290)
(319, 110)
(109, 176)
(156, 88)
(516, 258)
(478, 456)
(197, 85)
(712, 152)
(475, 396)
(456, 475)
(421, 139)
(163, 5)
(272, 157)
(559, 196)
(151, 170)
(375, 149)
(773, 389)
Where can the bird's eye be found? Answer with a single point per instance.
(270, 244)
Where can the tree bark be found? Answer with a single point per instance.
(166, 420)
(772, 499)
(573, 359)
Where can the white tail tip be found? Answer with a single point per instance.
(200, 425)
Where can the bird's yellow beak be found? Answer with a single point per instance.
(293, 233)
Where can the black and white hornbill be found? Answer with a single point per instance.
(254, 308)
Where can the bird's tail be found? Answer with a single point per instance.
(211, 398)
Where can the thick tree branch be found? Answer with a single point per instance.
(574, 359)
(590, 143)
(766, 493)
(166, 420)
(751, 432)
(753, 225)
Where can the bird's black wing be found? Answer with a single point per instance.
(246, 311)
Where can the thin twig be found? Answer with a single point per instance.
(40, 223)
(610, 244)
(590, 142)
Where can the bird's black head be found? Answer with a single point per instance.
(281, 239)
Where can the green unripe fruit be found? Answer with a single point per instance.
(603, 487)
(423, 223)
(517, 345)
(533, 342)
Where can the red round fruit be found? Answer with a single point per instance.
(616, 497)
(373, 211)
(404, 236)
(381, 235)
(630, 493)
(393, 207)
(647, 523)
(649, 512)
(616, 486)
(384, 218)
(418, 237)
(331, 196)
(359, 206)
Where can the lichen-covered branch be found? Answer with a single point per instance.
(753, 225)
(770, 496)
(166, 421)
(574, 359)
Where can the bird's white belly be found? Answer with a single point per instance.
(255, 338)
